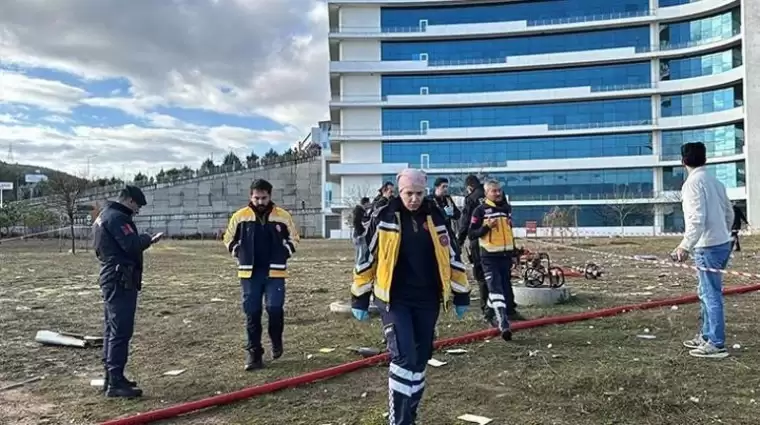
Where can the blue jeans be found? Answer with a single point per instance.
(710, 291)
(254, 291)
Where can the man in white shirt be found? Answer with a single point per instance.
(708, 216)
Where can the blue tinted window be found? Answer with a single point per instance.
(588, 215)
(557, 185)
(731, 174)
(555, 115)
(667, 3)
(720, 141)
(460, 153)
(718, 27)
(701, 102)
(598, 77)
(534, 11)
(501, 48)
(697, 66)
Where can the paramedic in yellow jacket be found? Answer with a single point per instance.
(412, 269)
(491, 226)
(262, 237)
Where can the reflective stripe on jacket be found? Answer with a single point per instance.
(374, 269)
(492, 240)
(238, 238)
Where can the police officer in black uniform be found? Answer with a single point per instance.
(119, 248)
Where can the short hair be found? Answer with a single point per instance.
(694, 154)
(261, 184)
(492, 183)
(364, 200)
(472, 181)
(439, 181)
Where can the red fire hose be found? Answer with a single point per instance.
(169, 412)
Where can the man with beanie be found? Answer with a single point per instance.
(413, 269)
(262, 237)
(491, 227)
(475, 197)
(119, 248)
(444, 201)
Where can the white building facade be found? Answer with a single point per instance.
(577, 104)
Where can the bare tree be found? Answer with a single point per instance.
(624, 204)
(558, 219)
(353, 195)
(66, 190)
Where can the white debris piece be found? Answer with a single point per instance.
(456, 351)
(480, 420)
(175, 372)
(436, 363)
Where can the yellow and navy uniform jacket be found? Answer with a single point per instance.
(239, 239)
(498, 240)
(374, 269)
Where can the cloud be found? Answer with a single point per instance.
(102, 76)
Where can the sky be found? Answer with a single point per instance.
(115, 87)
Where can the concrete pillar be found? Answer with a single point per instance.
(659, 219)
(751, 52)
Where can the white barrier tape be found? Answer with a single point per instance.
(545, 232)
(30, 235)
(657, 262)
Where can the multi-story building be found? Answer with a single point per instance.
(581, 104)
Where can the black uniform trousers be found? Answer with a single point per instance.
(480, 277)
(254, 290)
(119, 308)
(501, 298)
(410, 332)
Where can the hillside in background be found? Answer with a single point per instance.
(15, 173)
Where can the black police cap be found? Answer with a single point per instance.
(135, 193)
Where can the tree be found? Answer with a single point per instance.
(140, 179)
(271, 157)
(624, 204)
(208, 167)
(353, 196)
(252, 160)
(558, 219)
(232, 162)
(10, 216)
(66, 191)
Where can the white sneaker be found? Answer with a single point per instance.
(708, 350)
(694, 343)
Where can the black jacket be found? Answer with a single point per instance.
(118, 246)
(358, 220)
(738, 219)
(471, 201)
(444, 202)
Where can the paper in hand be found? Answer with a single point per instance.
(156, 237)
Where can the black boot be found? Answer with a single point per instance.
(255, 359)
(277, 350)
(132, 384)
(120, 387)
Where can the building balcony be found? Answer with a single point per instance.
(542, 95)
(537, 26)
(549, 60)
(540, 130)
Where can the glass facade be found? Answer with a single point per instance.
(720, 141)
(563, 185)
(555, 115)
(731, 174)
(599, 78)
(461, 153)
(698, 66)
(500, 48)
(702, 102)
(712, 28)
(536, 12)
(589, 215)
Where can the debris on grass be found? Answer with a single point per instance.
(66, 339)
(456, 351)
(436, 363)
(480, 420)
(21, 384)
(175, 372)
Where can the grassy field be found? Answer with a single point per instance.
(595, 372)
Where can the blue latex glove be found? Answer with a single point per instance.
(449, 211)
(460, 310)
(360, 314)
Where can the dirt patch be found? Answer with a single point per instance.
(189, 317)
